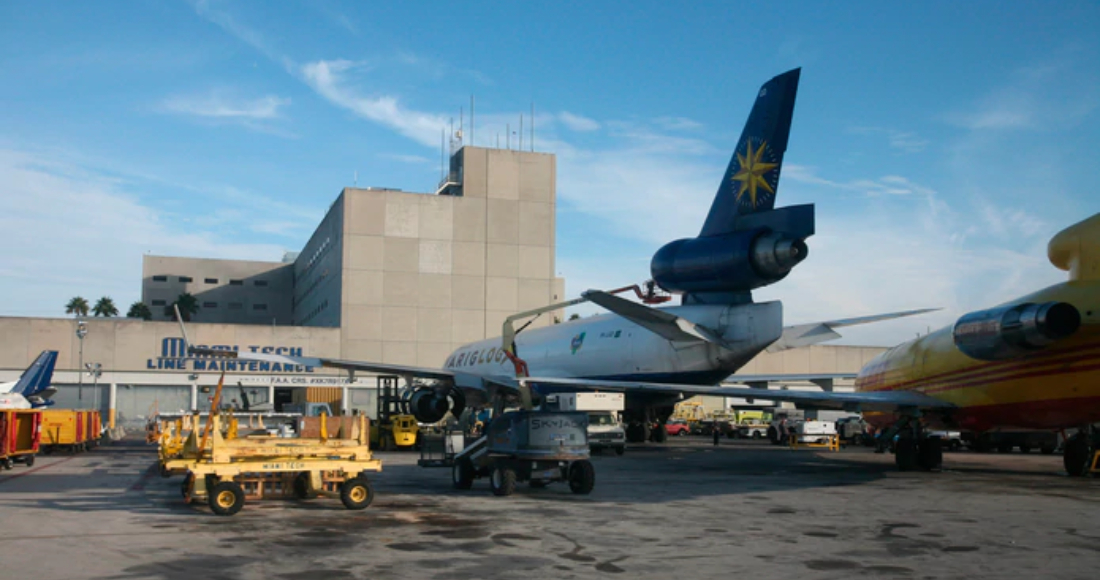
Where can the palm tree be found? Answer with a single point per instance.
(77, 306)
(140, 310)
(105, 307)
(188, 305)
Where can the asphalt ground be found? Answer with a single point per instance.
(683, 510)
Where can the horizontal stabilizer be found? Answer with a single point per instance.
(659, 322)
(806, 334)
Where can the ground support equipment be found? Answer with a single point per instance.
(19, 436)
(832, 442)
(535, 446)
(225, 472)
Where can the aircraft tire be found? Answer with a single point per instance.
(660, 435)
(905, 455)
(635, 434)
(1076, 456)
(773, 435)
(356, 493)
(930, 454)
(502, 481)
(582, 477)
(462, 474)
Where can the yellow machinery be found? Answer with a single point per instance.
(690, 411)
(395, 427)
(225, 470)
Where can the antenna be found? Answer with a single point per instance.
(355, 180)
(521, 131)
(508, 136)
(472, 121)
(442, 153)
(532, 126)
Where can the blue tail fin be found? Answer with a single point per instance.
(37, 377)
(752, 178)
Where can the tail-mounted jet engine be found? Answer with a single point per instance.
(1007, 331)
(734, 262)
(430, 404)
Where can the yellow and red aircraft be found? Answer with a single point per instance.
(1031, 363)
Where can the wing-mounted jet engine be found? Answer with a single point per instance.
(745, 243)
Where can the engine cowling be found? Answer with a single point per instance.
(737, 261)
(1008, 331)
(430, 404)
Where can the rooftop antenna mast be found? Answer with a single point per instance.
(472, 121)
(521, 131)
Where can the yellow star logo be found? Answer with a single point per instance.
(751, 173)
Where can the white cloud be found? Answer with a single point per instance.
(905, 141)
(217, 105)
(677, 124)
(577, 122)
(72, 231)
(328, 78)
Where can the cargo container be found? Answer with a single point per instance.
(68, 429)
(19, 436)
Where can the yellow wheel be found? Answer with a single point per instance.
(226, 498)
(356, 493)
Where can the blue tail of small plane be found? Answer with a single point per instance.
(752, 177)
(34, 385)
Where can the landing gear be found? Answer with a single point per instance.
(1077, 456)
(914, 449)
(659, 434)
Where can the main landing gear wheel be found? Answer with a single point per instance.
(660, 435)
(226, 498)
(356, 493)
(635, 433)
(930, 453)
(1077, 455)
(905, 454)
(502, 481)
(582, 477)
(462, 474)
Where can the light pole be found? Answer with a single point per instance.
(81, 332)
(95, 369)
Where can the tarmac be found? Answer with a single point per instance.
(681, 511)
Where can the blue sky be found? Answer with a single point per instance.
(943, 143)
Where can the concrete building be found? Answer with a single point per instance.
(406, 277)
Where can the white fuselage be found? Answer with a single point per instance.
(609, 346)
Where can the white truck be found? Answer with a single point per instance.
(605, 430)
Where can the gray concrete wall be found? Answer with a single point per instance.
(424, 274)
(228, 291)
(121, 344)
(318, 272)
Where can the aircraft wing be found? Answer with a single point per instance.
(815, 332)
(478, 390)
(862, 401)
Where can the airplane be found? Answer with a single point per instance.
(745, 243)
(33, 389)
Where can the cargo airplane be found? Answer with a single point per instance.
(33, 388)
(655, 355)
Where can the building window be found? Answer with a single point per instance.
(236, 282)
(211, 280)
(160, 278)
(209, 304)
(185, 279)
(235, 305)
(260, 282)
(259, 306)
(159, 303)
